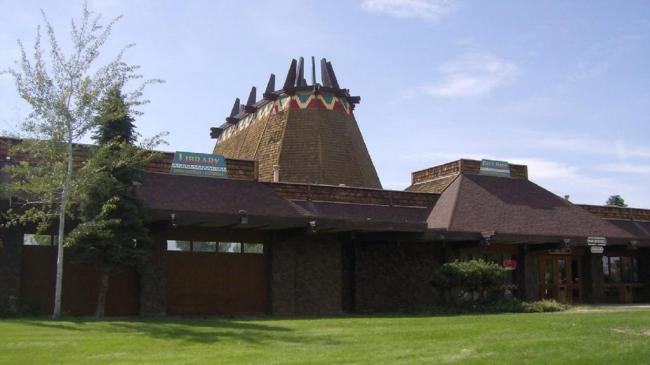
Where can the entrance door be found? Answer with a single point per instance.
(561, 278)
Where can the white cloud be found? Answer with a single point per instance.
(472, 74)
(430, 10)
(627, 168)
(618, 147)
(539, 168)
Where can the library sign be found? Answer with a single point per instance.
(198, 164)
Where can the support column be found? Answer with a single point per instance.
(594, 282)
(153, 279)
(644, 271)
(531, 277)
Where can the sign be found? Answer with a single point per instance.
(597, 249)
(495, 168)
(198, 164)
(510, 264)
(597, 241)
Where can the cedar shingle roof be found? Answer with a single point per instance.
(479, 203)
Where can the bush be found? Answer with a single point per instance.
(14, 307)
(499, 306)
(546, 305)
(468, 281)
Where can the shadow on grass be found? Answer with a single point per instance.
(204, 331)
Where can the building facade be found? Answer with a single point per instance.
(301, 226)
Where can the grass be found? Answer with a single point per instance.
(579, 336)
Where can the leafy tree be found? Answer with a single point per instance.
(616, 200)
(112, 232)
(64, 91)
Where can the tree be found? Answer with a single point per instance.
(616, 200)
(64, 92)
(112, 232)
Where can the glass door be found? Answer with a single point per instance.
(561, 278)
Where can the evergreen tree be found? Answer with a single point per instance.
(112, 235)
(616, 200)
(114, 122)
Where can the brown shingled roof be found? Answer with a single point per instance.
(516, 207)
(368, 216)
(640, 229)
(214, 201)
(201, 199)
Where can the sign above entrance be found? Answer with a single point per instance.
(597, 249)
(198, 164)
(495, 168)
(597, 241)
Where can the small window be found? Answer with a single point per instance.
(38, 239)
(230, 247)
(198, 246)
(254, 248)
(179, 246)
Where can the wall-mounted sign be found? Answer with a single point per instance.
(597, 249)
(495, 168)
(510, 264)
(597, 241)
(198, 164)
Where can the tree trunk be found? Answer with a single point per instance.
(101, 293)
(58, 287)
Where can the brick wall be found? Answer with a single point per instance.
(394, 276)
(306, 276)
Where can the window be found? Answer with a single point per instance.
(199, 246)
(179, 245)
(211, 246)
(620, 269)
(230, 247)
(254, 248)
(38, 239)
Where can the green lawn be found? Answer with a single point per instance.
(579, 336)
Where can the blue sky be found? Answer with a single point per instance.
(563, 86)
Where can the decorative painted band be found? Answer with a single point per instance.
(286, 102)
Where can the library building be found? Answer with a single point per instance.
(287, 216)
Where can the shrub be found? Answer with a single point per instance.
(546, 305)
(468, 281)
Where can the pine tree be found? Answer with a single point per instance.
(112, 235)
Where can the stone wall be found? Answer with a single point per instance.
(306, 276)
(393, 277)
